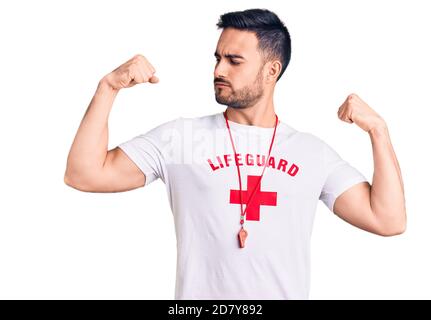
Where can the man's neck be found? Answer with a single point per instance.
(252, 116)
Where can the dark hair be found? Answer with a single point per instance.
(273, 36)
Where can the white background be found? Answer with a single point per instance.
(60, 243)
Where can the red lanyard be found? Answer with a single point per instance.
(243, 233)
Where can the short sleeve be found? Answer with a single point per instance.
(340, 176)
(150, 151)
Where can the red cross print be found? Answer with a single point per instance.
(259, 198)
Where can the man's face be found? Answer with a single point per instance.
(243, 77)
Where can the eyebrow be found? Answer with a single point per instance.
(217, 55)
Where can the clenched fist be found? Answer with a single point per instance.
(355, 110)
(136, 70)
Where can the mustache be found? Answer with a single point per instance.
(218, 80)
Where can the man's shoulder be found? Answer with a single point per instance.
(308, 139)
(182, 125)
(179, 121)
(205, 120)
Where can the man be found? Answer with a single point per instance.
(242, 184)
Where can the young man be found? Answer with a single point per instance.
(243, 185)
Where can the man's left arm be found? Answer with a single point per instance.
(378, 208)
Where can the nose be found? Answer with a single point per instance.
(219, 70)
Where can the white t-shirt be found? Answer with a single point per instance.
(195, 160)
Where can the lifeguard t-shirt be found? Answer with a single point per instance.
(195, 160)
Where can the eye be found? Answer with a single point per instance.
(231, 61)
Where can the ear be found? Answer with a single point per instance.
(274, 70)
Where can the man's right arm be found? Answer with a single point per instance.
(90, 166)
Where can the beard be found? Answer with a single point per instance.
(243, 98)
